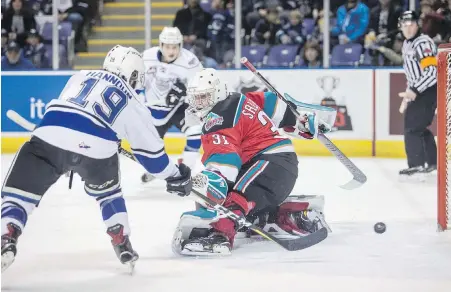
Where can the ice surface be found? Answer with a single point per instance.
(65, 248)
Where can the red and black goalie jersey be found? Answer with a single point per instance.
(242, 127)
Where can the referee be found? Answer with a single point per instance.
(420, 98)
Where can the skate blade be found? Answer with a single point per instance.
(186, 252)
(197, 250)
(131, 268)
(7, 260)
(131, 265)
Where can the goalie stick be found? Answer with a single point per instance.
(289, 244)
(359, 178)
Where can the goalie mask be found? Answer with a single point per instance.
(204, 91)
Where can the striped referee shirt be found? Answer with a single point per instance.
(420, 63)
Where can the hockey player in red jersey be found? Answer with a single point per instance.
(250, 167)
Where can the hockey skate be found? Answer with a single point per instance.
(122, 246)
(412, 174)
(215, 244)
(430, 170)
(9, 245)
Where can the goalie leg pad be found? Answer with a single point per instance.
(296, 216)
(300, 215)
(193, 225)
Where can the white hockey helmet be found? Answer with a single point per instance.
(126, 63)
(205, 90)
(171, 36)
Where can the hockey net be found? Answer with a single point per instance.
(444, 136)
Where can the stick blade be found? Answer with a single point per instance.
(352, 184)
(21, 121)
(306, 241)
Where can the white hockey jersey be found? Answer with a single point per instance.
(95, 110)
(160, 77)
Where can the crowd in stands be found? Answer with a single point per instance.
(290, 32)
(27, 32)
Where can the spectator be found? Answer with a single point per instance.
(13, 60)
(433, 21)
(383, 25)
(4, 41)
(266, 28)
(18, 20)
(304, 6)
(384, 21)
(292, 31)
(312, 54)
(247, 7)
(221, 28)
(352, 22)
(371, 3)
(318, 7)
(35, 51)
(68, 12)
(393, 56)
(192, 22)
(198, 50)
(261, 11)
(446, 12)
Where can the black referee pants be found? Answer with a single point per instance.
(419, 140)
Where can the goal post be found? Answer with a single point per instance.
(444, 137)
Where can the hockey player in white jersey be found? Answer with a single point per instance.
(80, 131)
(168, 69)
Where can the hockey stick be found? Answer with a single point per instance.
(359, 178)
(21, 121)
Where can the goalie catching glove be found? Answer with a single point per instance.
(313, 119)
(308, 126)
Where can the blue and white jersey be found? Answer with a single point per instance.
(95, 110)
(161, 76)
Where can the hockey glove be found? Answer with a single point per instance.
(308, 126)
(180, 185)
(176, 94)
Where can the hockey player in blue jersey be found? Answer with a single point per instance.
(80, 131)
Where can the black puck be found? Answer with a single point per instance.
(380, 227)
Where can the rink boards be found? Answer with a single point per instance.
(368, 122)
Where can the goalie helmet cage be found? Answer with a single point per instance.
(444, 137)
